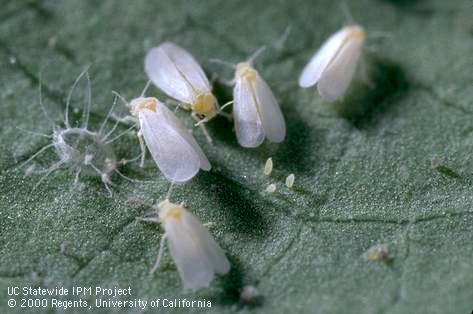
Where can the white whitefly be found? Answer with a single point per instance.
(333, 66)
(176, 72)
(255, 109)
(197, 255)
(173, 148)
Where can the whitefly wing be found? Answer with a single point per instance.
(214, 252)
(175, 72)
(162, 71)
(175, 152)
(188, 66)
(312, 72)
(269, 111)
(175, 124)
(248, 126)
(337, 77)
(197, 256)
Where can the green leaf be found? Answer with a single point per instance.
(390, 165)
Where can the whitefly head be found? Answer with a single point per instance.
(205, 105)
(197, 255)
(245, 71)
(168, 210)
(141, 103)
(355, 31)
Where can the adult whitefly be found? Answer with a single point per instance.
(176, 72)
(255, 109)
(174, 150)
(333, 66)
(197, 255)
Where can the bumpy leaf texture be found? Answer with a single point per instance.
(389, 165)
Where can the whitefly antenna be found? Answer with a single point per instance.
(143, 92)
(256, 54)
(279, 43)
(349, 20)
(222, 62)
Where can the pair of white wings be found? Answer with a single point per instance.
(333, 65)
(197, 256)
(172, 147)
(176, 72)
(257, 114)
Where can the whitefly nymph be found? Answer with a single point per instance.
(333, 66)
(79, 150)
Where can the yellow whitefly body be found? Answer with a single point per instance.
(175, 71)
(244, 71)
(204, 105)
(170, 210)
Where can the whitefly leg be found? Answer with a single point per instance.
(160, 253)
(201, 124)
(143, 149)
(76, 177)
